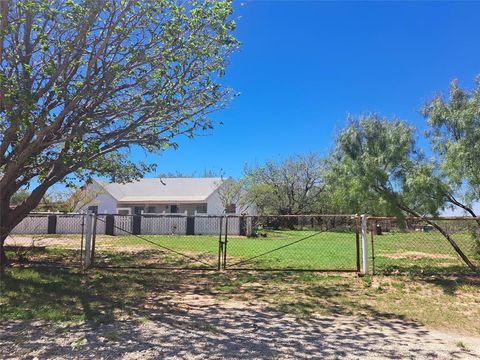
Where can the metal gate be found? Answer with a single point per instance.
(260, 243)
(165, 243)
(293, 243)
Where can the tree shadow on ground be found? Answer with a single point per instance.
(170, 313)
(217, 332)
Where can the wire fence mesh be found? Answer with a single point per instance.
(157, 241)
(33, 224)
(42, 239)
(303, 242)
(417, 245)
(306, 242)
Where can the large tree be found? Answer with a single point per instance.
(454, 133)
(84, 81)
(376, 165)
(376, 168)
(289, 187)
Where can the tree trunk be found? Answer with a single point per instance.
(3, 257)
(9, 218)
(445, 235)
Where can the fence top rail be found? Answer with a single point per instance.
(204, 215)
(183, 215)
(425, 218)
(211, 215)
(147, 215)
(296, 216)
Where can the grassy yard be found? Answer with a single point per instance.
(395, 252)
(102, 296)
(432, 286)
(317, 251)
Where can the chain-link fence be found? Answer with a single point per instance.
(426, 246)
(305, 242)
(157, 241)
(41, 239)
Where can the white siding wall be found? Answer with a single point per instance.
(160, 208)
(215, 206)
(189, 208)
(106, 203)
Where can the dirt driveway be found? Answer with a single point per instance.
(197, 328)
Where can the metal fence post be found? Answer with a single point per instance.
(220, 245)
(94, 238)
(88, 240)
(357, 243)
(365, 244)
(81, 240)
(225, 241)
(373, 232)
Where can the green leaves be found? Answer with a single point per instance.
(376, 168)
(455, 136)
(93, 79)
(292, 186)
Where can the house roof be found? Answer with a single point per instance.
(163, 190)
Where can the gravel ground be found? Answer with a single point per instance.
(202, 329)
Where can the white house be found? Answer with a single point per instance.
(159, 195)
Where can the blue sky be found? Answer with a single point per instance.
(304, 66)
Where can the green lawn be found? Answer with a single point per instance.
(314, 251)
(449, 301)
(395, 252)
(427, 252)
(69, 296)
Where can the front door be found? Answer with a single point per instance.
(173, 209)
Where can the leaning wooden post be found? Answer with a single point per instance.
(364, 245)
(88, 240)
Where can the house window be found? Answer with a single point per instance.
(231, 209)
(173, 209)
(93, 208)
(123, 212)
(202, 209)
(138, 210)
(151, 209)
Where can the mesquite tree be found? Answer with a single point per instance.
(84, 81)
(376, 162)
(289, 187)
(455, 137)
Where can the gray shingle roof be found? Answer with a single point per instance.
(163, 190)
